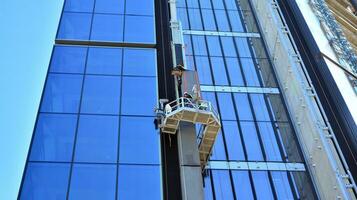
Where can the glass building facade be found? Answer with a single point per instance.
(95, 138)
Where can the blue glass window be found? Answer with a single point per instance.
(269, 141)
(67, 59)
(97, 139)
(93, 181)
(107, 27)
(45, 181)
(79, 5)
(182, 15)
(109, 6)
(104, 61)
(75, 26)
(282, 185)
(228, 47)
(242, 185)
(101, 94)
(207, 187)
(199, 45)
(139, 141)
(262, 185)
(218, 151)
(231, 4)
(139, 7)
(214, 47)
(208, 20)
(219, 71)
(188, 45)
(221, 17)
(203, 70)
(251, 141)
(62, 93)
(250, 73)
(233, 140)
(54, 137)
(243, 107)
(139, 62)
(235, 21)
(205, 4)
(139, 29)
(222, 184)
(139, 96)
(234, 72)
(181, 3)
(192, 3)
(243, 47)
(218, 4)
(259, 107)
(195, 19)
(139, 182)
(226, 106)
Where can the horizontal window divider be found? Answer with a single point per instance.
(257, 165)
(239, 89)
(104, 43)
(219, 33)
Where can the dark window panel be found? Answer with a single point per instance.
(228, 47)
(139, 96)
(182, 16)
(54, 138)
(262, 185)
(139, 7)
(109, 6)
(242, 185)
(75, 26)
(199, 45)
(243, 107)
(107, 28)
(222, 21)
(101, 95)
(219, 71)
(226, 106)
(139, 141)
(214, 47)
(203, 70)
(205, 4)
(271, 147)
(139, 182)
(195, 19)
(282, 185)
(235, 21)
(192, 3)
(260, 107)
(104, 61)
(234, 72)
(251, 141)
(208, 20)
(139, 62)
(139, 29)
(79, 5)
(93, 181)
(62, 93)
(233, 140)
(67, 59)
(45, 181)
(97, 139)
(222, 184)
(250, 72)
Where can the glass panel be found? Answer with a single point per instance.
(231, 4)
(135, 87)
(109, 6)
(54, 137)
(203, 70)
(93, 181)
(282, 185)
(214, 47)
(75, 26)
(269, 141)
(139, 29)
(67, 59)
(208, 20)
(260, 107)
(97, 139)
(262, 185)
(79, 5)
(218, 151)
(205, 4)
(219, 71)
(192, 3)
(139, 62)
(140, 7)
(195, 19)
(243, 47)
(222, 184)
(107, 27)
(242, 185)
(139, 182)
(182, 16)
(233, 140)
(226, 106)
(218, 4)
(236, 23)
(234, 72)
(228, 47)
(104, 61)
(250, 73)
(199, 45)
(243, 107)
(221, 17)
(45, 181)
(251, 141)
(139, 141)
(62, 93)
(207, 186)
(101, 94)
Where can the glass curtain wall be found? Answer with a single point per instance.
(94, 137)
(224, 45)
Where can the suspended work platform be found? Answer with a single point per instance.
(197, 112)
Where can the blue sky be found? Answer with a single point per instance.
(27, 33)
